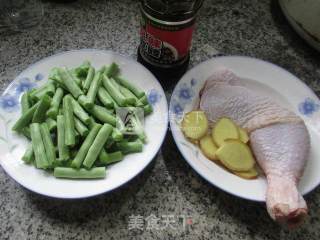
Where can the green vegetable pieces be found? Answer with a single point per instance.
(74, 125)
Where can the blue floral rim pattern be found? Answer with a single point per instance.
(308, 107)
(154, 97)
(182, 96)
(10, 101)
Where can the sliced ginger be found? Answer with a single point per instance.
(227, 143)
(224, 129)
(243, 135)
(251, 174)
(208, 147)
(195, 125)
(236, 156)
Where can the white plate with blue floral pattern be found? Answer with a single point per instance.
(267, 79)
(12, 146)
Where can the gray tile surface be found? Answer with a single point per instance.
(168, 186)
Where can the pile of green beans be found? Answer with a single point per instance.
(72, 122)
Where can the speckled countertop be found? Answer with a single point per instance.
(168, 186)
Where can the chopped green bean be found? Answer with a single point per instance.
(129, 147)
(48, 144)
(63, 149)
(88, 100)
(69, 121)
(28, 156)
(36, 91)
(70, 84)
(75, 77)
(116, 135)
(48, 89)
(63, 172)
(82, 70)
(38, 146)
(54, 76)
(92, 123)
(103, 115)
(108, 158)
(40, 113)
(25, 119)
(112, 71)
(114, 91)
(77, 161)
(144, 100)
(31, 101)
(26, 132)
(135, 90)
(147, 109)
(86, 84)
(80, 112)
(51, 89)
(105, 98)
(130, 97)
(25, 104)
(52, 124)
(97, 145)
(55, 103)
(115, 84)
(84, 102)
(115, 104)
(80, 127)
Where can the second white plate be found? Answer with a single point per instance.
(263, 77)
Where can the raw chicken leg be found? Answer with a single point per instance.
(279, 139)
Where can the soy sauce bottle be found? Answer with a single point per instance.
(165, 36)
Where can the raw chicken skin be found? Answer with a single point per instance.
(279, 139)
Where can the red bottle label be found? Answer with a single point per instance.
(165, 43)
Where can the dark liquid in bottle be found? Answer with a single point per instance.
(166, 34)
